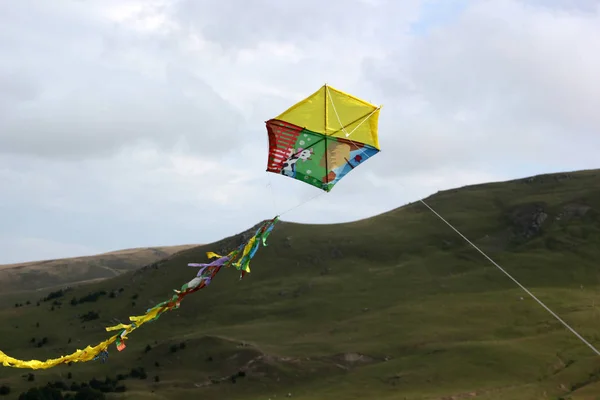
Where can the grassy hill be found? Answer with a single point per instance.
(392, 307)
(51, 273)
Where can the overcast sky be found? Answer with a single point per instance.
(130, 123)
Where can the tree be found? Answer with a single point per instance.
(139, 373)
(4, 390)
(89, 316)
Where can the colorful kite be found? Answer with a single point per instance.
(317, 141)
(323, 137)
(239, 258)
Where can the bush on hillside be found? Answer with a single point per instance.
(138, 372)
(88, 298)
(89, 316)
(4, 390)
(54, 295)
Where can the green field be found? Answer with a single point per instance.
(397, 306)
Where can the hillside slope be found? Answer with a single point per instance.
(50, 273)
(392, 307)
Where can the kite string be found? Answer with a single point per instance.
(270, 185)
(302, 203)
(512, 278)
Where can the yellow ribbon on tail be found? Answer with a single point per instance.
(100, 351)
(87, 354)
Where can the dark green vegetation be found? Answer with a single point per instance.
(49, 273)
(392, 307)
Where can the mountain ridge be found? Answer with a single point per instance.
(51, 273)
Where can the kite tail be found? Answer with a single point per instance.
(251, 247)
(203, 278)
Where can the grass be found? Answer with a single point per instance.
(392, 307)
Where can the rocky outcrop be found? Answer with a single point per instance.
(528, 220)
(571, 211)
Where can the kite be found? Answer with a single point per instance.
(239, 258)
(317, 141)
(323, 137)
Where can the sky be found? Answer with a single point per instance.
(133, 123)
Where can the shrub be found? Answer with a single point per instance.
(4, 390)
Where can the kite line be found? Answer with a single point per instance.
(512, 278)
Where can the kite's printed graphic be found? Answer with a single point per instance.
(323, 137)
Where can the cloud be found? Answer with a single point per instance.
(503, 81)
(141, 196)
(304, 23)
(135, 123)
(90, 95)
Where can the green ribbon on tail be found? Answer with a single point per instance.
(251, 247)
